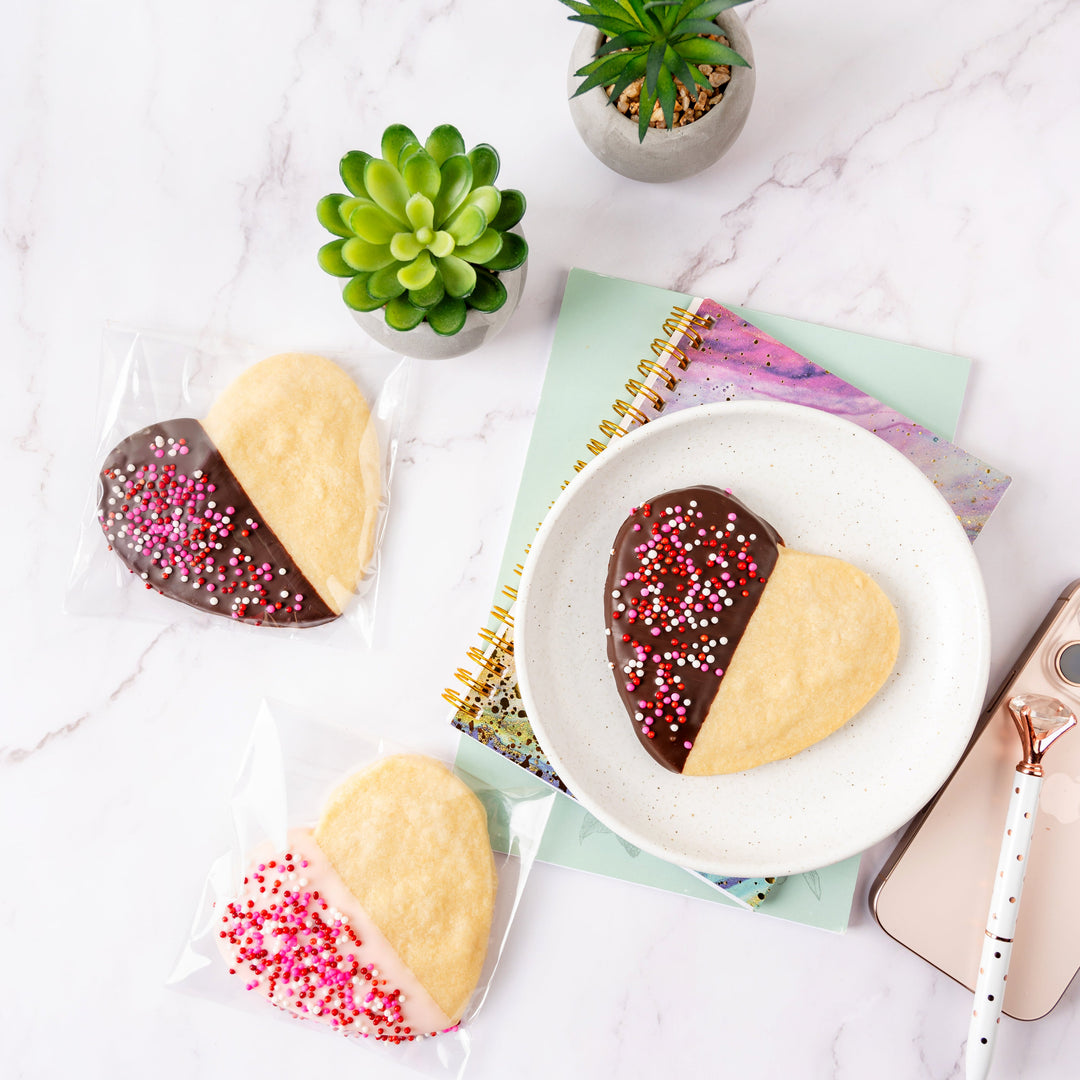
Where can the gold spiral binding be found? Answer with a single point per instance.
(488, 663)
(650, 367)
(469, 679)
(630, 412)
(611, 429)
(662, 347)
(634, 388)
(460, 704)
(684, 322)
(500, 641)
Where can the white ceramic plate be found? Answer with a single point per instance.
(829, 488)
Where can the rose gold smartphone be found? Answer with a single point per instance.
(933, 894)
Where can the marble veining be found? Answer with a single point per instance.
(907, 171)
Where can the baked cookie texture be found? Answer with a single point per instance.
(265, 511)
(297, 433)
(729, 649)
(376, 922)
(410, 842)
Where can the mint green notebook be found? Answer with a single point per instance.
(605, 327)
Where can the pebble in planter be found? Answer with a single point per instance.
(655, 53)
(432, 249)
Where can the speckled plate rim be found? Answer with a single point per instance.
(830, 488)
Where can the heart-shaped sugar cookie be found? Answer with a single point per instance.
(729, 649)
(265, 511)
(376, 923)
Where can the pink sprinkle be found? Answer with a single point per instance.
(183, 449)
(688, 745)
(731, 517)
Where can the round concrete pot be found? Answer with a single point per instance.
(664, 155)
(423, 343)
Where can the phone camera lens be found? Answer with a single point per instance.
(1068, 663)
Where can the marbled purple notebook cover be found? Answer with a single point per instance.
(738, 362)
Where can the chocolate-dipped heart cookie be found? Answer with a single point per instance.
(263, 512)
(729, 649)
(376, 923)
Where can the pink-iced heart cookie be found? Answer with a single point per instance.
(376, 923)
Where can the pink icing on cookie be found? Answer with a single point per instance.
(298, 936)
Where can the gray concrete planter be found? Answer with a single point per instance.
(664, 155)
(424, 344)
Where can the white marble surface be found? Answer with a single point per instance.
(907, 170)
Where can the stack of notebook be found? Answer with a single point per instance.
(625, 354)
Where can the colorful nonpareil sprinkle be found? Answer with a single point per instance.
(284, 939)
(685, 575)
(174, 512)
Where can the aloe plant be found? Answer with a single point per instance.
(423, 233)
(655, 40)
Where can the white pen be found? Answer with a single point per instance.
(1040, 720)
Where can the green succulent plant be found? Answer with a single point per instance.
(657, 40)
(423, 233)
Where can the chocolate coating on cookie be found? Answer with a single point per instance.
(686, 572)
(174, 512)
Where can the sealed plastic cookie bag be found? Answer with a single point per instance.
(368, 893)
(237, 484)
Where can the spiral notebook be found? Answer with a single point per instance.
(641, 352)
